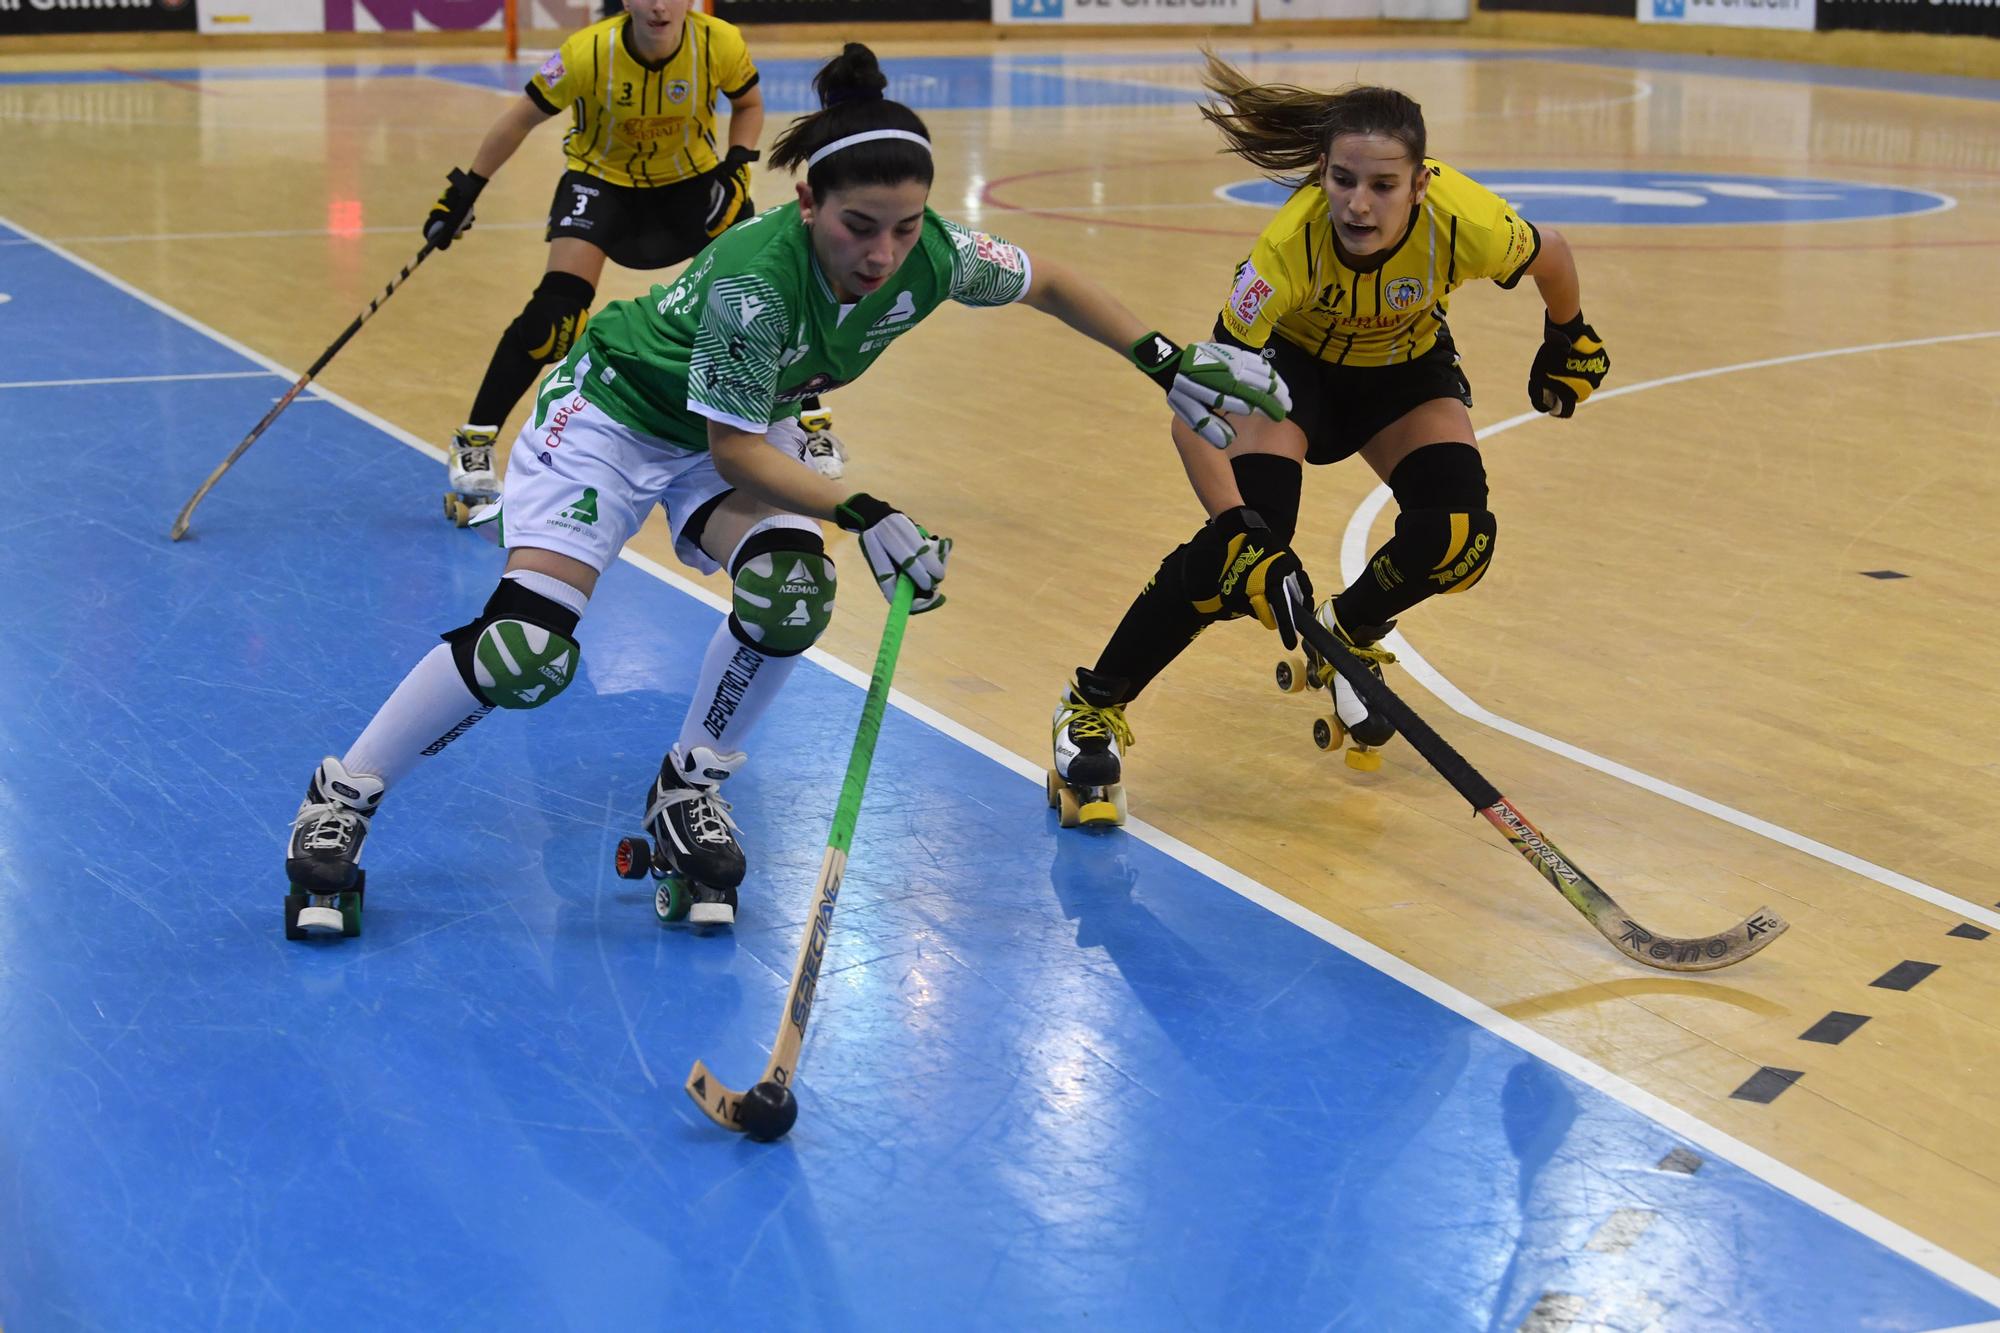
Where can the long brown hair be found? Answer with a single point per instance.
(1285, 130)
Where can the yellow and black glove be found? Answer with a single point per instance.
(1571, 363)
(451, 216)
(728, 189)
(1236, 567)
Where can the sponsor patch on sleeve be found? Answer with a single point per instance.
(1249, 295)
(993, 250)
(552, 70)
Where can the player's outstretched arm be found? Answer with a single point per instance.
(451, 216)
(1205, 382)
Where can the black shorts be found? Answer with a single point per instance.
(638, 226)
(1340, 408)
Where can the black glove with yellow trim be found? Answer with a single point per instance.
(1235, 566)
(728, 188)
(451, 216)
(1572, 362)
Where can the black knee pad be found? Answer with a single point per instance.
(1270, 485)
(548, 326)
(514, 605)
(1445, 534)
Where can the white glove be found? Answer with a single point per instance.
(1203, 380)
(892, 544)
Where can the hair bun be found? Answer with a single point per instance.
(852, 76)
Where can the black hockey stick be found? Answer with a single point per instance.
(180, 527)
(768, 1108)
(1698, 954)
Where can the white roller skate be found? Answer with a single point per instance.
(472, 479)
(1091, 737)
(821, 449)
(693, 856)
(1351, 719)
(320, 860)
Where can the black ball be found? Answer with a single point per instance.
(767, 1112)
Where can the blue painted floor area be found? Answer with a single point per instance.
(1054, 1078)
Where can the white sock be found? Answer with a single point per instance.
(737, 684)
(429, 710)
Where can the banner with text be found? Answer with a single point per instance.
(1123, 11)
(841, 11)
(1975, 18)
(1730, 13)
(21, 17)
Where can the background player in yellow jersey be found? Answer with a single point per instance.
(647, 184)
(1345, 293)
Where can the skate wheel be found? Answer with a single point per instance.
(1364, 760)
(1317, 676)
(457, 510)
(1107, 812)
(671, 899)
(1291, 675)
(1071, 808)
(350, 913)
(634, 858)
(1327, 732)
(1055, 786)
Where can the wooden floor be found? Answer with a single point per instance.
(1680, 590)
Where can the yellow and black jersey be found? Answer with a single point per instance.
(1297, 284)
(641, 124)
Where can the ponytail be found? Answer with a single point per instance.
(1286, 130)
(850, 88)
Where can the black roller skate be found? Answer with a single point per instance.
(1091, 737)
(332, 823)
(1351, 719)
(693, 856)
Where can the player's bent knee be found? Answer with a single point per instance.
(1270, 484)
(1445, 528)
(521, 652)
(783, 586)
(549, 325)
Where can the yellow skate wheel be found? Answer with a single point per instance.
(1291, 675)
(1055, 790)
(1364, 760)
(1327, 732)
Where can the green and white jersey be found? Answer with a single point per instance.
(753, 326)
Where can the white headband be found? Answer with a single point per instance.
(865, 136)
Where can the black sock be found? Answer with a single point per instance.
(1159, 625)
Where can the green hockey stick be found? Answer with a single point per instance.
(772, 1107)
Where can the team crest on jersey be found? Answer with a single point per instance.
(1250, 294)
(677, 90)
(1403, 293)
(552, 69)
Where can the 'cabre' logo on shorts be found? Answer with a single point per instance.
(1250, 294)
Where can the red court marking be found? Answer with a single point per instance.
(156, 78)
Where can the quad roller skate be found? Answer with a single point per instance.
(1350, 719)
(332, 823)
(473, 481)
(1091, 737)
(689, 848)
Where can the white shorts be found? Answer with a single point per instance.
(580, 483)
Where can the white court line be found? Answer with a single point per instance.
(1354, 558)
(1892, 1236)
(139, 379)
(273, 233)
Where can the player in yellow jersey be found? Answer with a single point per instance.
(1345, 294)
(648, 184)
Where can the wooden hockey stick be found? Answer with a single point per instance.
(717, 1100)
(181, 520)
(1697, 954)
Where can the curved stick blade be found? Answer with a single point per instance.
(717, 1100)
(1669, 953)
